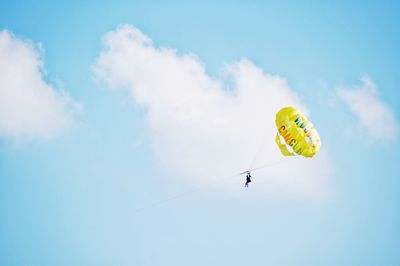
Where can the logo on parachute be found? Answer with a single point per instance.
(287, 136)
(306, 125)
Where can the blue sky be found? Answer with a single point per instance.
(70, 193)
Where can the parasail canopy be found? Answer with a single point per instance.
(296, 134)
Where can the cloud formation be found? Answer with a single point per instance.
(29, 106)
(373, 114)
(200, 128)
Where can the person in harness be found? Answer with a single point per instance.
(248, 179)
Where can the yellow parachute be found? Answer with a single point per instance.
(296, 134)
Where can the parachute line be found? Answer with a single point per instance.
(194, 190)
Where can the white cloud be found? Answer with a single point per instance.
(200, 130)
(29, 106)
(373, 114)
